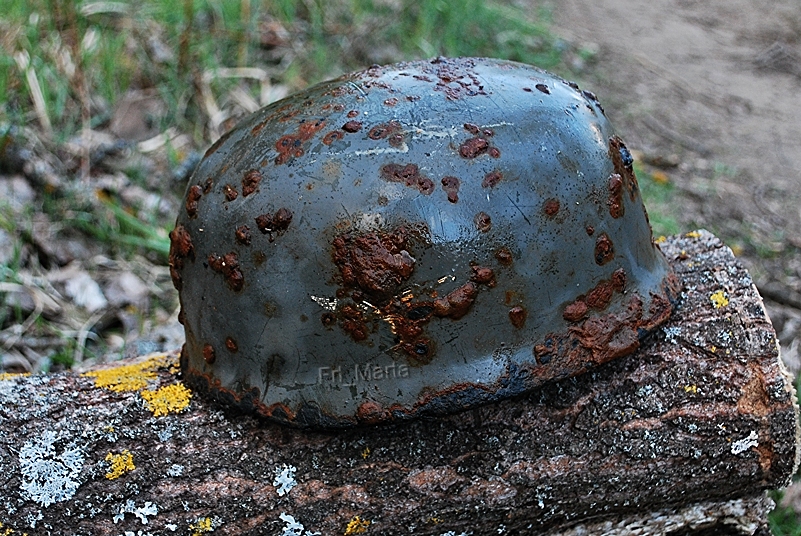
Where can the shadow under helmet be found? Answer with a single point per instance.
(417, 238)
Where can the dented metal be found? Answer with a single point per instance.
(432, 236)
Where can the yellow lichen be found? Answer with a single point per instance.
(11, 376)
(172, 398)
(719, 299)
(126, 377)
(9, 531)
(692, 234)
(365, 453)
(202, 526)
(691, 389)
(660, 239)
(357, 526)
(120, 464)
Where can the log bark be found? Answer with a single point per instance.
(682, 437)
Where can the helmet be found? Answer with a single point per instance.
(413, 239)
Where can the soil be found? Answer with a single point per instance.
(708, 91)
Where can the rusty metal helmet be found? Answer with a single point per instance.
(413, 239)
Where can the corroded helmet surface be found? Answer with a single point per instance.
(413, 239)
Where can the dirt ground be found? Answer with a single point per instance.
(709, 92)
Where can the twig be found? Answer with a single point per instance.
(83, 334)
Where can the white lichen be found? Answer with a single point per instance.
(175, 470)
(48, 476)
(741, 445)
(293, 527)
(149, 509)
(284, 479)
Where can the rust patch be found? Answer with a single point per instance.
(352, 126)
(457, 303)
(517, 316)
(353, 113)
(483, 222)
(409, 175)
(575, 311)
(472, 129)
(494, 152)
(491, 179)
(353, 322)
(483, 275)
(543, 88)
(228, 266)
(451, 186)
(181, 247)
(208, 354)
(250, 182)
(391, 102)
(274, 223)
(392, 130)
(194, 195)
(474, 147)
(504, 256)
(371, 412)
(590, 230)
(328, 319)
(230, 192)
(333, 136)
(600, 296)
(455, 78)
(231, 345)
(242, 234)
(375, 263)
(291, 145)
(615, 201)
(551, 207)
(604, 249)
(624, 165)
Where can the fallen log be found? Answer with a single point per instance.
(684, 436)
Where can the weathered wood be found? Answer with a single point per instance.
(687, 433)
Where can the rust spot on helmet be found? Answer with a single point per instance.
(590, 230)
(192, 197)
(181, 247)
(242, 235)
(250, 182)
(472, 129)
(494, 152)
(231, 345)
(230, 192)
(352, 126)
(328, 319)
(624, 165)
(483, 222)
(575, 311)
(504, 256)
(473, 148)
(391, 102)
(208, 354)
(451, 186)
(543, 88)
(483, 275)
(274, 223)
(333, 136)
(491, 179)
(228, 266)
(615, 201)
(376, 263)
(457, 303)
(392, 130)
(551, 207)
(409, 175)
(353, 113)
(517, 316)
(371, 412)
(353, 322)
(291, 145)
(604, 249)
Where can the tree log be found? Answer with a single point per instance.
(683, 436)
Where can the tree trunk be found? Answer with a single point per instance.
(684, 436)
